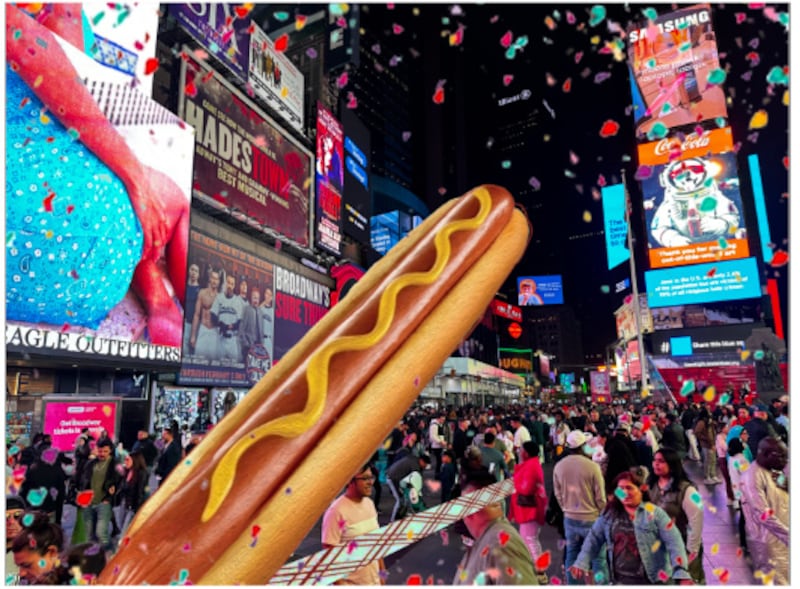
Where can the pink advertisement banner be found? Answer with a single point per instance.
(65, 420)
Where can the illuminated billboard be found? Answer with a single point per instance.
(64, 420)
(245, 164)
(330, 181)
(692, 202)
(703, 283)
(92, 211)
(540, 290)
(357, 197)
(675, 71)
(389, 228)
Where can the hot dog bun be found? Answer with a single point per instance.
(275, 463)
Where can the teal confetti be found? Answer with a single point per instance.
(10, 237)
(122, 16)
(650, 13)
(777, 76)
(723, 244)
(658, 131)
(336, 9)
(783, 17)
(688, 387)
(696, 498)
(98, 17)
(597, 15)
(27, 519)
(183, 575)
(17, 34)
(651, 63)
(506, 164)
(569, 173)
(213, 47)
(281, 16)
(37, 496)
(684, 47)
(605, 289)
(620, 493)
(74, 133)
(445, 20)
(725, 397)
(720, 121)
(188, 462)
(758, 355)
(599, 578)
(716, 76)
(708, 204)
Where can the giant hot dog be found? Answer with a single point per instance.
(243, 500)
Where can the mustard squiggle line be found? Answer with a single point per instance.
(317, 374)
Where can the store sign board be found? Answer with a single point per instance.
(65, 420)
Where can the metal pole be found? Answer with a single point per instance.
(635, 287)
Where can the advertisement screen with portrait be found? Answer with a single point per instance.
(245, 164)
(330, 181)
(98, 210)
(692, 201)
(540, 290)
(674, 62)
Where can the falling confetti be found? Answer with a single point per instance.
(656, 545)
(643, 172)
(609, 128)
(150, 66)
(779, 258)
(438, 94)
(605, 289)
(597, 15)
(714, 548)
(587, 217)
(84, 498)
(543, 561)
(759, 120)
(281, 43)
(709, 394)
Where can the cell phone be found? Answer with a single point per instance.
(690, 83)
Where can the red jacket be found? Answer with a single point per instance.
(528, 480)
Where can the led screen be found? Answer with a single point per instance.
(540, 290)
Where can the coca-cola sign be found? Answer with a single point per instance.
(507, 310)
(692, 141)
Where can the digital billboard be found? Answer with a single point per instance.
(219, 29)
(330, 181)
(703, 283)
(389, 228)
(516, 360)
(248, 312)
(275, 79)
(707, 315)
(540, 290)
(615, 224)
(357, 197)
(692, 203)
(674, 66)
(92, 211)
(625, 318)
(245, 164)
(64, 420)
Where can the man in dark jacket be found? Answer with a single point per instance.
(100, 476)
(170, 456)
(758, 427)
(148, 449)
(45, 484)
(674, 437)
(621, 455)
(400, 470)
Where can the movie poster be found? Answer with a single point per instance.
(92, 211)
(675, 71)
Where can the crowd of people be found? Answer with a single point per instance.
(620, 495)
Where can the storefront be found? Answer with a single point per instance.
(465, 381)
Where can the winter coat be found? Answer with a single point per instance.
(528, 480)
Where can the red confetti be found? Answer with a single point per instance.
(438, 96)
(281, 43)
(126, 540)
(510, 572)
(663, 577)
(242, 11)
(65, 328)
(601, 180)
(740, 17)
(609, 128)
(567, 86)
(255, 530)
(779, 258)
(710, 273)
(786, 162)
(414, 580)
(507, 79)
(505, 40)
(725, 576)
(397, 29)
(485, 551)
(150, 66)
(251, 29)
(555, 581)
(543, 561)
(208, 76)
(190, 89)
(84, 498)
(300, 21)
(74, 274)
(504, 538)
(48, 202)
(139, 46)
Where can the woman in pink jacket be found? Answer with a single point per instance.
(529, 502)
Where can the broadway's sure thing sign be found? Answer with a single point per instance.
(244, 162)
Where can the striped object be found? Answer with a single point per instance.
(327, 566)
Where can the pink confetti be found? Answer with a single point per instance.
(506, 39)
(341, 81)
(507, 79)
(397, 29)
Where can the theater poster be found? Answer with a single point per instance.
(92, 213)
(330, 181)
(692, 200)
(675, 71)
(245, 163)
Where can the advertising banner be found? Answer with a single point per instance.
(709, 315)
(357, 197)
(600, 384)
(615, 224)
(244, 163)
(64, 420)
(685, 342)
(693, 211)
(703, 283)
(540, 290)
(230, 315)
(626, 318)
(218, 28)
(299, 303)
(330, 180)
(517, 361)
(90, 215)
(674, 63)
(275, 79)
(507, 310)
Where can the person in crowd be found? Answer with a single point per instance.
(621, 455)
(721, 446)
(84, 563)
(144, 444)
(46, 473)
(411, 447)
(492, 458)
(597, 447)
(765, 504)
(351, 515)
(15, 511)
(100, 475)
(133, 488)
(529, 501)
(461, 439)
(671, 489)
(521, 435)
(688, 422)
(448, 474)
(37, 548)
(642, 545)
(644, 451)
(737, 432)
(437, 441)
(758, 427)
(674, 436)
(399, 471)
(559, 433)
(738, 464)
(579, 489)
(504, 442)
(170, 456)
(498, 555)
(706, 435)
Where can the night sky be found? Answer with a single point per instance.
(565, 56)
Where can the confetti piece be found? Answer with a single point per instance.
(406, 136)
(567, 86)
(724, 576)
(609, 128)
(543, 561)
(620, 493)
(658, 131)
(504, 537)
(27, 519)
(281, 43)
(597, 15)
(656, 545)
(445, 537)
(643, 173)
(351, 101)
(663, 577)
(688, 387)
(716, 76)
(709, 394)
(601, 77)
(37, 496)
(507, 79)
(438, 95)
(740, 17)
(352, 546)
(710, 273)
(776, 75)
(534, 182)
(506, 39)
(397, 29)
(759, 120)
(150, 66)
(342, 80)
(187, 547)
(779, 258)
(605, 289)
(587, 217)
(696, 498)
(505, 164)
(410, 534)
(84, 498)
(714, 548)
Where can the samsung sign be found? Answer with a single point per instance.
(524, 95)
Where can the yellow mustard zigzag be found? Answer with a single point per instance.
(317, 374)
